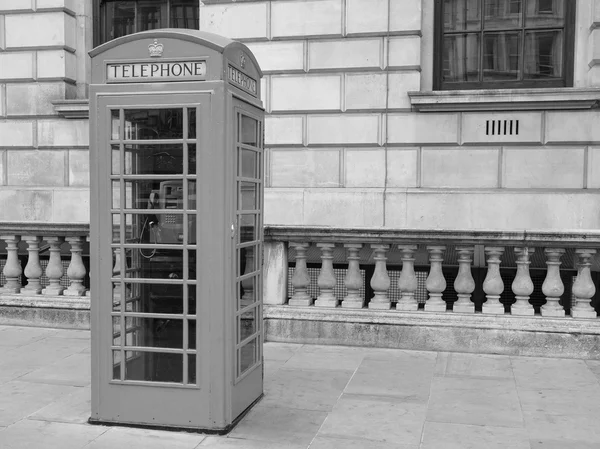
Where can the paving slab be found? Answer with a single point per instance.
(20, 399)
(289, 427)
(327, 442)
(464, 436)
(19, 336)
(325, 358)
(221, 442)
(72, 408)
(374, 418)
(30, 434)
(280, 351)
(473, 365)
(73, 370)
(127, 437)
(404, 375)
(563, 374)
(320, 397)
(484, 402)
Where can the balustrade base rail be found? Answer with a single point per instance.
(433, 331)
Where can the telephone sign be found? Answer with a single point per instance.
(176, 142)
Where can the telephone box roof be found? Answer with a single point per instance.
(210, 40)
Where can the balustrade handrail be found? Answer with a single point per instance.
(563, 238)
(42, 229)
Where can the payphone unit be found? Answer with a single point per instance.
(176, 144)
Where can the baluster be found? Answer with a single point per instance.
(76, 270)
(54, 269)
(464, 284)
(380, 282)
(493, 286)
(583, 287)
(300, 279)
(248, 283)
(435, 283)
(553, 286)
(326, 280)
(12, 268)
(33, 269)
(522, 286)
(407, 283)
(353, 280)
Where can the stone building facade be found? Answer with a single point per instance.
(356, 136)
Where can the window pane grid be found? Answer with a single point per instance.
(119, 18)
(510, 42)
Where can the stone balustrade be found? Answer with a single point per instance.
(42, 265)
(523, 273)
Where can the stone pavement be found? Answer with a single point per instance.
(322, 397)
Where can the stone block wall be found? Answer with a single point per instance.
(345, 148)
(43, 157)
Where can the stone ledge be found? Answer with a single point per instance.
(505, 99)
(435, 319)
(429, 331)
(45, 301)
(73, 109)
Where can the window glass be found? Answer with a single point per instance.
(504, 43)
(119, 18)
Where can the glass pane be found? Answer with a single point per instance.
(462, 15)
(191, 334)
(115, 160)
(544, 54)
(501, 56)
(149, 16)
(248, 291)
(154, 159)
(191, 300)
(461, 58)
(247, 223)
(184, 14)
(155, 332)
(144, 124)
(192, 158)
(118, 19)
(116, 330)
(502, 14)
(191, 123)
(248, 131)
(114, 124)
(152, 228)
(191, 369)
(247, 260)
(545, 13)
(116, 297)
(154, 366)
(247, 356)
(248, 197)
(155, 298)
(116, 194)
(116, 365)
(192, 264)
(248, 164)
(247, 324)
(159, 193)
(152, 263)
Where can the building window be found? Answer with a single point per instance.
(495, 44)
(116, 18)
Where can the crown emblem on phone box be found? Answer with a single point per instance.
(155, 49)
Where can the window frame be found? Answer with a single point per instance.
(568, 57)
(97, 19)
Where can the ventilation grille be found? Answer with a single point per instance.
(501, 127)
